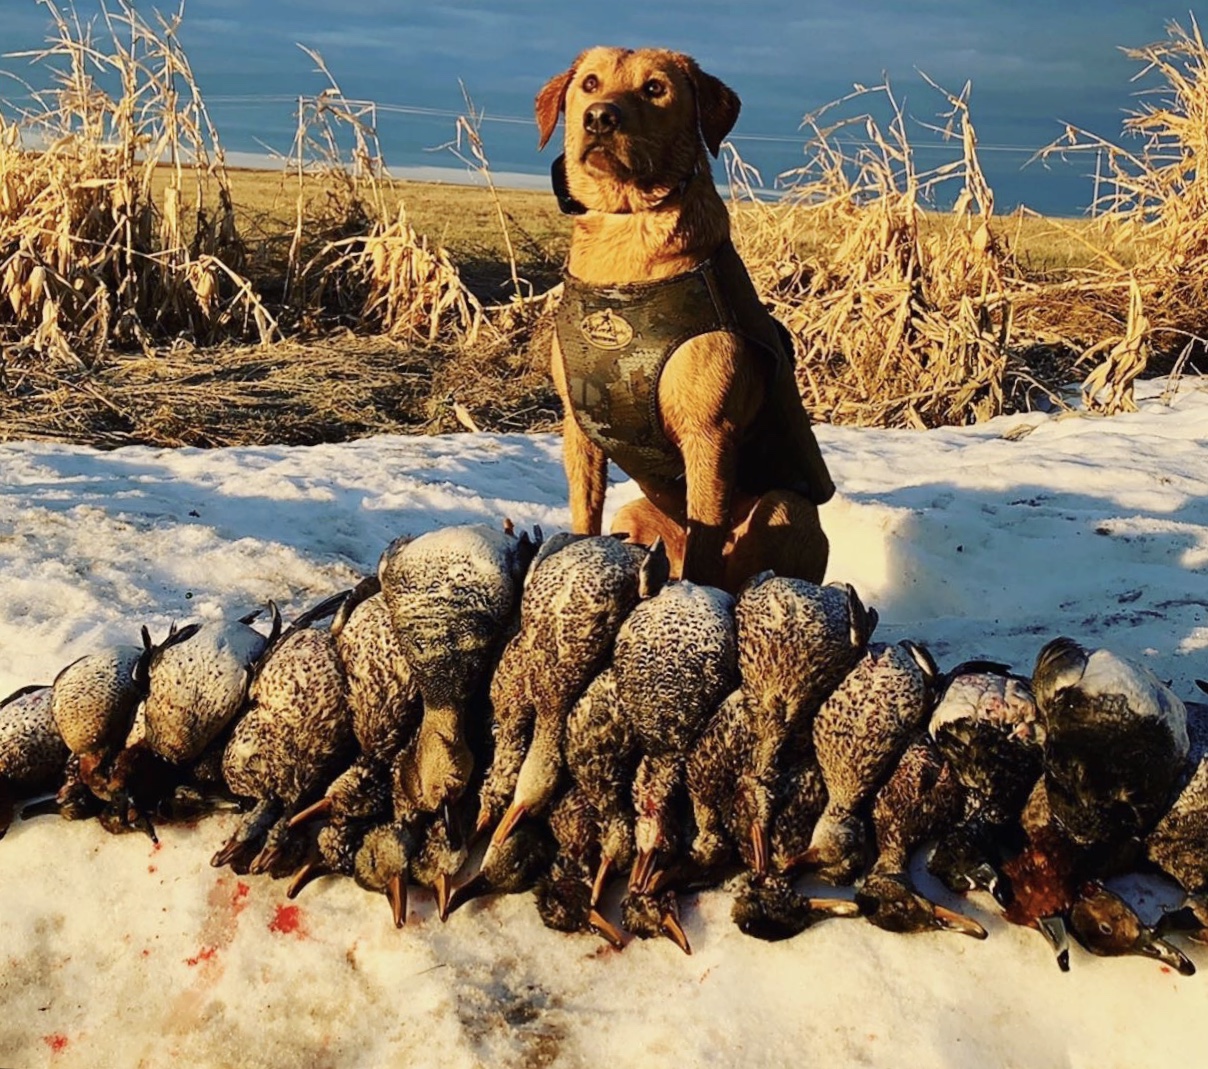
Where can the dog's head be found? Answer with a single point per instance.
(637, 123)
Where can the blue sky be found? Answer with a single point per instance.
(1034, 64)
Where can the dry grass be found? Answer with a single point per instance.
(88, 255)
(121, 229)
(897, 321)
(1147, 295)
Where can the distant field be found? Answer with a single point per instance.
(464, 220)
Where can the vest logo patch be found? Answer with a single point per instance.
(606, 330)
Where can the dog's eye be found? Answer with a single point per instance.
(654, 89)
(591, 83)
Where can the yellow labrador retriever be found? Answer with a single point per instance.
(664, 357)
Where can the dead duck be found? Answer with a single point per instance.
(197, 686)
(987, 726)
(716, 768)
(383, 701)
(33, 755)
(728, 803)
(513, 868)
(295, 736)
(383, 858)
(452, 594)
(796, 642)
(574, 602)
(653, 914)
(801, 802)
(1178, 844)
(1053, 886)
(768, 908)
(859, 733)
(563, 894)
(98, 702)
(1115, 743)
(1044, 881)
(1103, 923)
(920, 799)
(601, 759)
(675, 660)
(94, 703)
(381, 865)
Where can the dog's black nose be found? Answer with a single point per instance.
(602, 119)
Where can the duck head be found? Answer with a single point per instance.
(837, 848)
(381, 865)
(768, 908)
(890, 903)
(651, 914)
(564, 904)
(511, 869)
(1108, 926)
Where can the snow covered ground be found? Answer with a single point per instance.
(985, 541)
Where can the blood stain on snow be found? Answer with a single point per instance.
(204, 954)
(288, 921)
(240, 899)
(56, 1042)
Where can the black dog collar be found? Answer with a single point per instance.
(568, 205)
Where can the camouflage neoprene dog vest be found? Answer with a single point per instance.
(616, 340)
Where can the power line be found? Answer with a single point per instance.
(252, 99)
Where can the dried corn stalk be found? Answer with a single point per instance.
(90, 253)
(1156, 205)
(898, 320)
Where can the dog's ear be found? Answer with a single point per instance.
(551, 102)
(717, 105)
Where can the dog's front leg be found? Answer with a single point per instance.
(710, 463)
(587, 476)
(585, 463)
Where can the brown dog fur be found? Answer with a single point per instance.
(643, 223)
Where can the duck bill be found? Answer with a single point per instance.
(811, 859)
(442, 887)
(507, 825)
(47, 807)
(607, 931)
(481, 826)
(834, 907)
(759, 849)
(601, 880)
(948, 920)
(475, 887)
(307, 874)
(673, 930)
(396, 894)
(1054, 931)
(233, 848)
(643, 868)
(266, 860)
(321, 808)
(1169, 955)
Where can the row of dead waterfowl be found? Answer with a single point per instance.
(600, 721)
